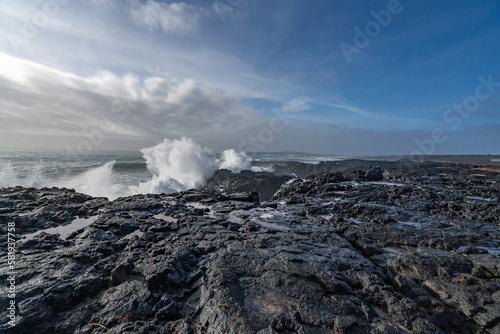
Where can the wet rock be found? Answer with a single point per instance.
(360, 247)
(266, 184)
(272, 205)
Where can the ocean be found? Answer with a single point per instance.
(171, 166)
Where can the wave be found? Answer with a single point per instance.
(99, 182)
(179, 165)
(170, 166)
(10, 177)
(234, 161)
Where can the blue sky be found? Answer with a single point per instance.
(252, 75)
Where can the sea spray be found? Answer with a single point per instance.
(234, 161)
(182, 164)
(177, 165)
(170, 166)
(9, 177)
(98, 181)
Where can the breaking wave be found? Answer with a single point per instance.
(179, 165)
(170, 166)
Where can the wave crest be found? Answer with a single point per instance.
(175, 165)
(182, 164)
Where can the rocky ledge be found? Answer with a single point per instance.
(369, 250)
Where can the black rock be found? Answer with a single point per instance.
(337, 251)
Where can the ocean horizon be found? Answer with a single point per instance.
(116, 173)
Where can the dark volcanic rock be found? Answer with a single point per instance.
(354, 166)
(34, 209)
(266, 184)
(369, 249)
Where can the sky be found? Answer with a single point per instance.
(337, 77)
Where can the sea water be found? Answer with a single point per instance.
(170, 166)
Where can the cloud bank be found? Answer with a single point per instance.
(41, 101)
(47, 108)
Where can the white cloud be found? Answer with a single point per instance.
(51, 102)
(173, 18)
(77, 40)
(48, 108)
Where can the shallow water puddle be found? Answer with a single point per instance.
(65, 230)
(478, 198)
(234, 219)
(389, 184)
(238, 220)
(137, 232)
(165, 218)
(198, 205)
(271, 225)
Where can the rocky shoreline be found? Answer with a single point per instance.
(338, 247)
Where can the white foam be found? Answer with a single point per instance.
(10, 178)
(261, 169)
(176, 165)
(182, 164)
(98, 181)
(236, 162)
